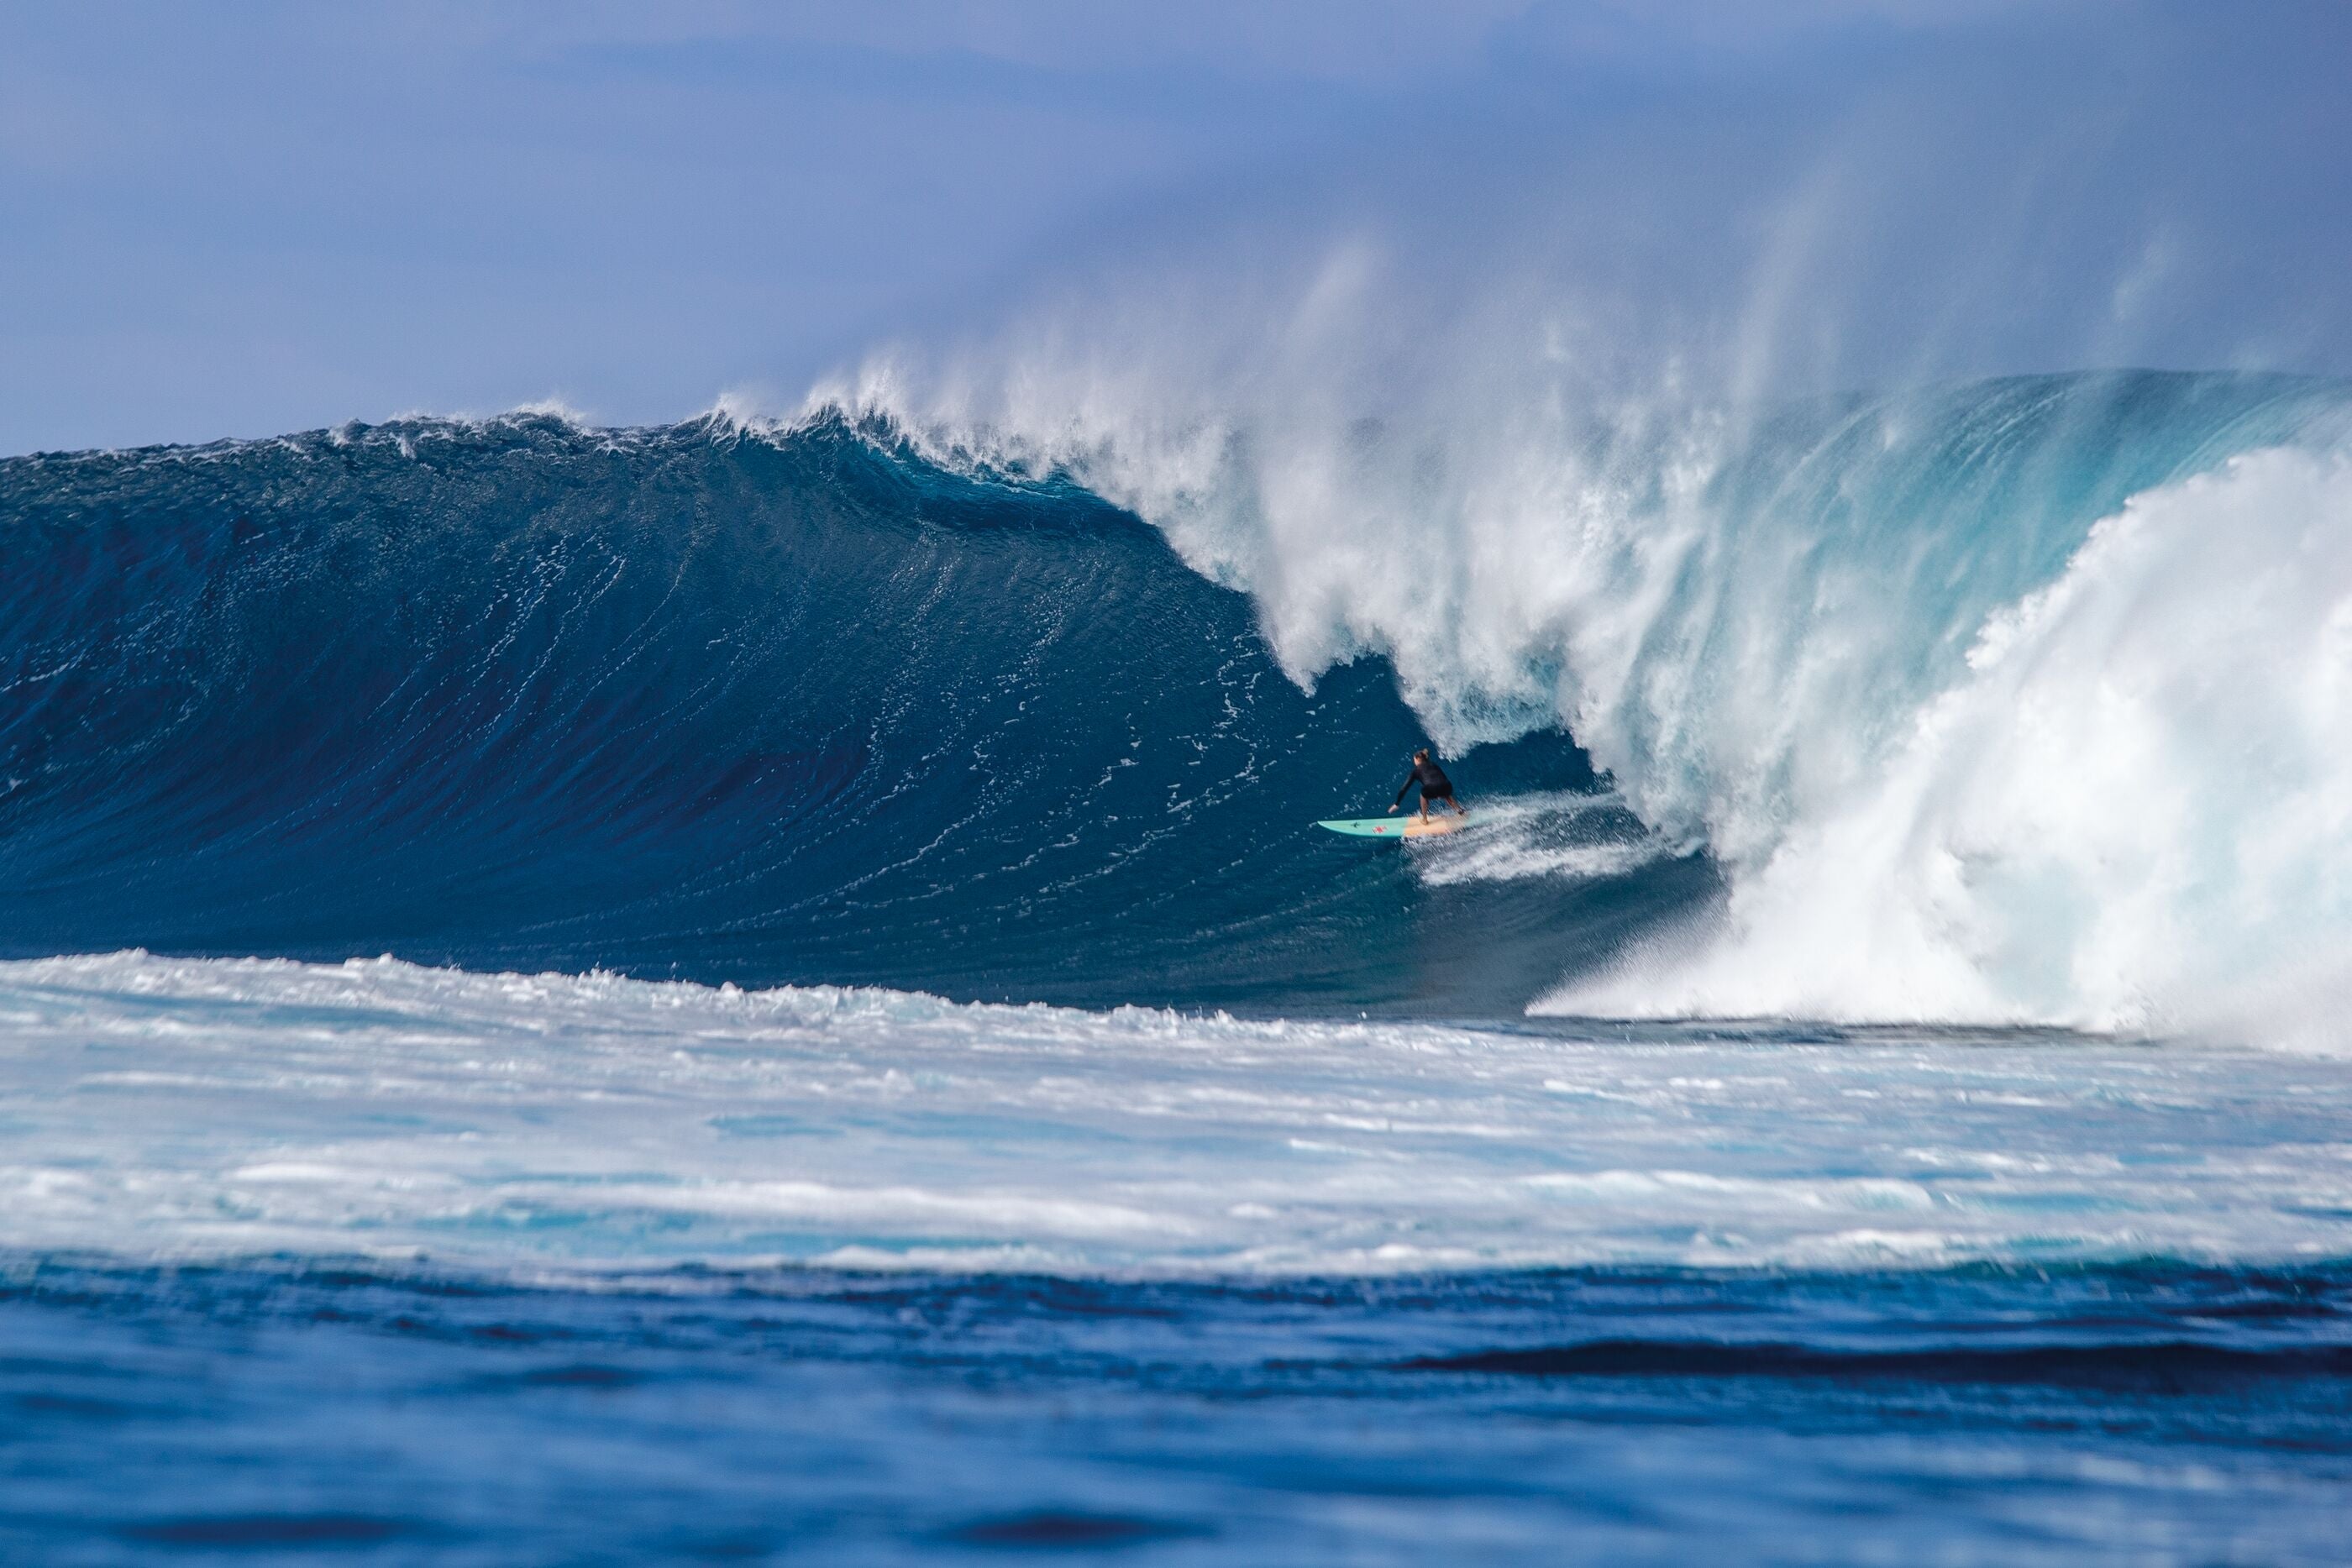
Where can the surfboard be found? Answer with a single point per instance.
(1401, 827)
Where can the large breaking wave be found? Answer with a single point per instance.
(2003, 701)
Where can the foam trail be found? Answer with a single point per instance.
(1550, 836)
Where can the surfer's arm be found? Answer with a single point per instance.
(1401, 794)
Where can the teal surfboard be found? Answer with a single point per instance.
(1402, 826)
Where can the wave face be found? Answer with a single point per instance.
(2015, 701)
(704, 703)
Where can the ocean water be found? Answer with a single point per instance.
(745, 992)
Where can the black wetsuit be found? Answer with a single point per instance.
(1435, 784)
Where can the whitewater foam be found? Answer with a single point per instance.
(204, 1108)
(2131, 813)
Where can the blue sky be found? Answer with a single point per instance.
(243, 218)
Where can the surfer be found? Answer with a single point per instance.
(1435, 786)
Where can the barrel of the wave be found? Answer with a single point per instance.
(1406, 828)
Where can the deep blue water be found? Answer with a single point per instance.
(333, 1409)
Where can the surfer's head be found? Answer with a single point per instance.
(1422, 756)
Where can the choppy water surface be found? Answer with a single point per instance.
(490, 1268)
(2152, 1412)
